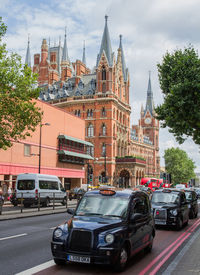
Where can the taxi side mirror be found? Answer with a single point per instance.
(136, 217)
(71, 211)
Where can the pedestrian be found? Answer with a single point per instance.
(1, 197)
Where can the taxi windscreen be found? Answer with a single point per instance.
(103, 206)
(161, 197)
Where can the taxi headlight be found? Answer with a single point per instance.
(174, 212)
(109, 238)
(189, 205)
(58, 233)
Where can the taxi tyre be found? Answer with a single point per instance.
(179, 223)
(149, 247)
(59, 261)
(122, 259)
(192, 215)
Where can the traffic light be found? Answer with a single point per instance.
(91, 178)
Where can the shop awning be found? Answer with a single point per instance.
(74, 154)
(76, 140)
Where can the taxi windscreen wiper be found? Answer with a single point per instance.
(93, 214)
(112, 216)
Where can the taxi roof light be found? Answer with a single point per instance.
(107, 192)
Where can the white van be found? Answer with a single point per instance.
(32, 187)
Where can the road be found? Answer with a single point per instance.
(25, 245)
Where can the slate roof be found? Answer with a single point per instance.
(86, 86)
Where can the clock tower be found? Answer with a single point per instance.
(150, 124)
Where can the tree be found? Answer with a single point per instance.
(179, 165)
(179, 77)
(19, 114)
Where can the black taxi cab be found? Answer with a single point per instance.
(170, 207)
(107, 227)
(191, 198)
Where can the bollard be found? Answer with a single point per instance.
(66, 200)
(53, 201)
(21, 202)
(1, 205)
(38, 201)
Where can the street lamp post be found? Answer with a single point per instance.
(40, 144)
(105, 180)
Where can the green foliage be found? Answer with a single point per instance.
(179, 77)
(19, 114)
(179, 165)
(136, 157)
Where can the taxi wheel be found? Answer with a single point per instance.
(179, 224)
(122, 259)
(148, 249)
(59, 261)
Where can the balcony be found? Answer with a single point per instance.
(130, 160)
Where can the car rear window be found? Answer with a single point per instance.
(26, 184)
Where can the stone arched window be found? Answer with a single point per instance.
(104, 87)
(103, 111)
(114, 130)
(103, 130)
(103, 73)
(89, 113)
(90, 130)
(104, 150)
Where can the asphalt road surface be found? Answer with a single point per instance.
(25, 247)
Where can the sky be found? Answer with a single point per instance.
(149, 29)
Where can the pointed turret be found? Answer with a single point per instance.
(106, 45)
(28, 54)
(83, 58)
(49, 55)
(124, 70)
(65, 56)
(149, 102)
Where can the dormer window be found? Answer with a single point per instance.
(81, 84)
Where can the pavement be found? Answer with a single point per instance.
(9, 212)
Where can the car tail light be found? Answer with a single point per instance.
(36, 193)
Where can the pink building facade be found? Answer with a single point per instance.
(57, 128)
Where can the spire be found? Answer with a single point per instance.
(149, 103)
(106, 45)
(49, 51)
(28, 54)
(83, 58)
(65, 56)
(123, 59)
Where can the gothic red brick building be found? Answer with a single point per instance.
(122, 153)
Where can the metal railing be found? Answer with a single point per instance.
(22, 205)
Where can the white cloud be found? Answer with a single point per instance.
(149, 29)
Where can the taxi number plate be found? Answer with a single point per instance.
(160, 222)
(78, 259)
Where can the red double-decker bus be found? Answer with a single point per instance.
(154, 183)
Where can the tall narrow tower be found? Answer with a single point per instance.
(28, 54)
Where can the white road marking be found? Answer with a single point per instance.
(37, 268)
(14, 236)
